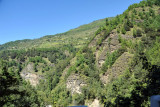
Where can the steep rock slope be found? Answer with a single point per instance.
(29, 75)
(121, 64)
(114, 59)
(74, 84)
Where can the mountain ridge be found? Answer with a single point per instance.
(93, 25)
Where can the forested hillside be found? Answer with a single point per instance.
(116, 65)
(81, 35)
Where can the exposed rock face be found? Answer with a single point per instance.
(114, 43)
(102, 56)
(95, 103)
(52, 65)
(94, 41)
(67, 53)
(74, 84)
(31, 77)
(110, 44)
(138, 21)
(127, 37)
(49, 106)
(117, 68)
(29, 68)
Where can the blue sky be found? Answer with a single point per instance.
(30, 19)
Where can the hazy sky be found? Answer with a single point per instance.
(29, 19)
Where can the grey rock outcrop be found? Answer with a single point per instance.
(29, 68)
(117, 68)
(74, 83)
(94, 103)
(110, 44)
(28, 75)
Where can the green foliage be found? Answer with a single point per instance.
(118, 30)
(78, 99)
(13, 92)
(129, 23)
(131, 7)
(151, 28)
(35, 55)
(103, 37)
(134, 33)
(78, 34)
(135, 86)
(36, 59)
(107, 22)
(141, 15)
(137, 33)
(153, 2)
(153, 54)
(126, 27)
(85, 63)
(132, 88)
(80, 60)
(111, 58)
(61, 96)
(151, 12)
(134, 11)
(126, 90)
(93, 90)
(98, 31)
(123, 31)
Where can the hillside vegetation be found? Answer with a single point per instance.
(81, 35)
(117, 66)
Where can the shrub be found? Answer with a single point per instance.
(123, 31)
(118, 30)
(139, 32)
(134, 11)
(134, 33)
(107, 22)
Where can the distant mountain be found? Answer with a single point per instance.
(80, 35)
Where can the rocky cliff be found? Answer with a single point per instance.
(117, 69)
(29, 75)
(75, 83)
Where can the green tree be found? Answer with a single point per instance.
(13, 92)
(123, 31)
(137, 33)
(134, 33)
(107, 22)
(126, 27)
